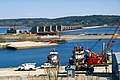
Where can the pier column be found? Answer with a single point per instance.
(50, 28)
(37, 29)
(62, 27)
(44, 28)
(56, 28)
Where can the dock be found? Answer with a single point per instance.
(50, 74)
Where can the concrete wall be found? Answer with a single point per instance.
(115, 72)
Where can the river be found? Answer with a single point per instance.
(14, 58)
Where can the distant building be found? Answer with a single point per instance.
(14, 31)
(11, 31)
(116, 66)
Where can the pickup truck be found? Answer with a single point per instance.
(27, 66)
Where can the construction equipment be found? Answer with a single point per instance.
(95, 59)
(101, 58)
(112, 40)
(82, 62)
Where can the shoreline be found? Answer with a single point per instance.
(13, 26)
(87, 37)
(26, 45)
(39, 44)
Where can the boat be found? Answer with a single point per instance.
(52, 60)
(77, 61)
(78, 56)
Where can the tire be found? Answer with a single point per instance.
(66, 68)
(30, 69)
(19, 69)
(22, 69)
(90, 70)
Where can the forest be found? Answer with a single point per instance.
(92, 20)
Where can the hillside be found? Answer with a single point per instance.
(92, 20)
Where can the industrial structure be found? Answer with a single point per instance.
(15, 31)
(11, 31)
(52, 30)
(45, 29)
(86, 60)
(116, 66)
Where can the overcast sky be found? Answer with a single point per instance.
(57, 8)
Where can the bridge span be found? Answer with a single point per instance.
(94, 27)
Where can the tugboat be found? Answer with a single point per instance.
(53, 59)
(78, 61)
(78, 56)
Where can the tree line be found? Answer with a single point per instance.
(92, 20)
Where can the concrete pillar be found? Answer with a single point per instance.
(50, 28)
(62, 27)
(37, 29)
(56, 28)
(44, 29)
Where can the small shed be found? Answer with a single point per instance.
(116, 66)
(70, 72)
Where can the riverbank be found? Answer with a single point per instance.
(34, 41)
(25, 45)
(87, 37)
(34, 37)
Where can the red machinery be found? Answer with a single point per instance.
(96, 59)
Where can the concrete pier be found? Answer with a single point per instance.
(51, 74)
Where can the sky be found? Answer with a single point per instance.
(14, 9)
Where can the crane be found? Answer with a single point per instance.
(101, 58)
(112, 40)
(79, 62)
